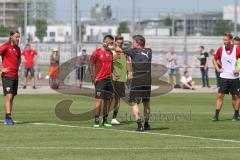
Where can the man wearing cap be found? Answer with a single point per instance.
(54, 69)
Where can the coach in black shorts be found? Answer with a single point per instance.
(140, 85)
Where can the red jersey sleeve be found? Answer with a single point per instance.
(2, 49)
(218, 55)
(35, 53)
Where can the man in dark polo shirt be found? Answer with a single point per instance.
(11, 59)
(140, 86)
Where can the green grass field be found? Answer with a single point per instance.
(41, 135)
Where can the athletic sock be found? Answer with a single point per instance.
(115, 114)
(217, 113)
(139, 122)
(105, 117)
(97, 119)
(8, 115)
(236, 113)
(146, 119)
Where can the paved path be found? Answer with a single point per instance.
(48, 90)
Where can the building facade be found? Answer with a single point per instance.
(196, 24)
(12, 11)
(8, 11)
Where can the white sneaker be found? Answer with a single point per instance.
(115, 121)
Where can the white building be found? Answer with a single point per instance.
(228, 13)
(55, 33)
(95, 32)
(156, 31)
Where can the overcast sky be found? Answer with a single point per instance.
(146, 8)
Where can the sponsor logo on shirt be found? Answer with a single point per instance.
(144, 54)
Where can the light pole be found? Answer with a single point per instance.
(235, 17)
(74, 28)
(185, 41)
(25, 21)
(133, 17)
(80, 29)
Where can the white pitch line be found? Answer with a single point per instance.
(115, 148)
(147, 133)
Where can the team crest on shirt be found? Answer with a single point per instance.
(8, 89)
(12, 50)
(98, 93)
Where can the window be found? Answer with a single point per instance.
(52, 34)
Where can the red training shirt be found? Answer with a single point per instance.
(103, 63)
(11, 57)
(29, 56)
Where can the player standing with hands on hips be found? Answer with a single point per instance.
(11, 59)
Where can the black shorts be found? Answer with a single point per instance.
(140, 93)
(119, 89)
(227, 86)
(10, 85)
(104, 89)
(29, 70)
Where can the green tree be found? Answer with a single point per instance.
(41, 28)
(4, 31)
(168, 21)
(222, 26)
(123, 28)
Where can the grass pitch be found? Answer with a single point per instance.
(181, 129)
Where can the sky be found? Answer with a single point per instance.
(122, 9)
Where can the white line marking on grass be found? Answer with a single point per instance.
(115, 148)
(147, 133)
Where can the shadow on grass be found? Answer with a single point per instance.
(28, 122)
(159, 129)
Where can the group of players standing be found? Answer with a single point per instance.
(111, 66)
